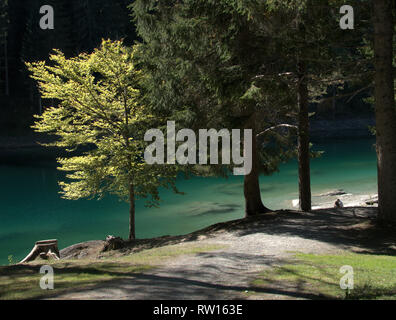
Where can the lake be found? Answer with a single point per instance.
(32, 210)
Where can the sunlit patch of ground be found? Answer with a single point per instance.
(374, 276)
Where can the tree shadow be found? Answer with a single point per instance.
(162, 287)
(349, 228)
(354, 229)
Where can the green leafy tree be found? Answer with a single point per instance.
(100, 109)
(80, 26)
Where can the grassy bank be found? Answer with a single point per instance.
(319, 275)
(22, 281)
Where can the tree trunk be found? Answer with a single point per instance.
(44, 249)
(304, 177)
(131, 212)
(7, 84)
(253, 203)
(385, 109)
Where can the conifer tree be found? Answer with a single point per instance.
(252, 63)
(317, 54)
(385, 109)
(207, 65)
(4, 24)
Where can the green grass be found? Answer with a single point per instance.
(374, 276)
(158, 255)
(22, 281)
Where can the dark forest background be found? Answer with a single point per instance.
(79, 27)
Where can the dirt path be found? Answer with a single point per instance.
(226, 273)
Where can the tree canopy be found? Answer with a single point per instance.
(100, 109)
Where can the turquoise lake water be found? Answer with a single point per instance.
(31, 209)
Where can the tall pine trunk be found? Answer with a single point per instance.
(7, 84)
(253, 203)
(385, 109)
(132, 235)
(304, 176)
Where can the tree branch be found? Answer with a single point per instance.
(283, 125)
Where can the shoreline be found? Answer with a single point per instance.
(320, 201)
(327, 200)
(99, 249)
(227, 255)
(358, 201)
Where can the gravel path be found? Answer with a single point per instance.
(248, 249)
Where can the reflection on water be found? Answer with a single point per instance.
(199, 209)
(31, 209)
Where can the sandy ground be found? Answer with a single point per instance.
(248, 249)
(327, 199)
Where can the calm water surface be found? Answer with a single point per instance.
(31, 209)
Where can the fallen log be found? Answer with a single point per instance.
(43, 249)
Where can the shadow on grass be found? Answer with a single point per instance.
(368, 291)
(23, 281)
(102, 279)
(374, 276)
(168, 287)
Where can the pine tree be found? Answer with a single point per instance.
(4, 25)
(17, 14)
(317, 54)
(385, 109)
(207, 62)
(94, 20)
(244, 61)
